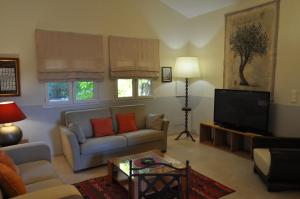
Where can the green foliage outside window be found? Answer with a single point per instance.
(84, 90)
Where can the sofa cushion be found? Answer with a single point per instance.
(126, 122)
(138, 110)
(103, 144)
(11, 183)
(76, 129)
(43, 184)
(60, 191)
(102, 127)
(83, 118)
(262, 159)
(37, 171)
(142, 136)
(154, 121)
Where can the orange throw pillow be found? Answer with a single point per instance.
(11, 183)
(102, 127)
(126, 122)
(6, 160)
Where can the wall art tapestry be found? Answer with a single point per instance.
(250, 47)
(9, 77)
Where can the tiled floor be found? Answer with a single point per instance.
(229, 169)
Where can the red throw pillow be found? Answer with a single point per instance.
(102, 127)
(11, 183)
(126, 122)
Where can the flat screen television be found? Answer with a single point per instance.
(242, 110)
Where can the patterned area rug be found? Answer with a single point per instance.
(201, 187)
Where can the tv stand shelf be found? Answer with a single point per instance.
(231, 140)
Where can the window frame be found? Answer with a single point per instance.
(135, 90)
(72, 96)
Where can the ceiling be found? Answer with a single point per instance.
(194, 8)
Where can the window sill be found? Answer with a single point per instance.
(76, 104)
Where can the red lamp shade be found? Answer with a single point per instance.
(10, 112)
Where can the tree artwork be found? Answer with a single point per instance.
(248, 41)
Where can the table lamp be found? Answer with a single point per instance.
(9, 133)
(186, 67)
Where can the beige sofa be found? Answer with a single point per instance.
(33, 161)
(96, 151)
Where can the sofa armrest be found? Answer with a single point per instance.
(275, 142)
(59, 192)
(28, 152)
(285, 164)
(165, 127)
(70, 147)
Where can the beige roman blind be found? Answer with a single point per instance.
(69, 56)
(132, 57)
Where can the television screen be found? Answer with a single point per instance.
(242, 110)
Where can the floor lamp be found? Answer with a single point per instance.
(186, 67)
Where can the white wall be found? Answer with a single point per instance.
(202, 36)
(132, 18)
(207, 42)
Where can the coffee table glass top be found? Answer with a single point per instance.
(123, 162)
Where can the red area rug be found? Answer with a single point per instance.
(201, 187)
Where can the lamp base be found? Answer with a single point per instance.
(188, 134)
(10, 135)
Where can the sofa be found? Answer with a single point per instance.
(277, 162)
(33, 161)
(96, 151)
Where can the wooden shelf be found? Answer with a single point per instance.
(227, 139)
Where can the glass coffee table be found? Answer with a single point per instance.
(118, 168)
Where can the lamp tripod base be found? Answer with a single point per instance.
(188, 134)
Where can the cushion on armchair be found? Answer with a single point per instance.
(262, 159)
(11, 183)
(154, 121)
(37, 171)
(76, 129)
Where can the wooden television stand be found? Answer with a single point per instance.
(231, 140)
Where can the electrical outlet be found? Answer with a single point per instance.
(294, 96)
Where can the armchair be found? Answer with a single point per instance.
(277, 161)
(33, 161)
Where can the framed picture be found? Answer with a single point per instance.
(250, 47)
(166, 74)
(9, 77)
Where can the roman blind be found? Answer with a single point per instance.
(133, 57)
(69, 56)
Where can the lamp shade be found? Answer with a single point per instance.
(187, 67)
(10, 112)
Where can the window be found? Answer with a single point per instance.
(58, 92)
(125, 88)
(61, 93)
(85, 91)
(134, 88)
(144, 87)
